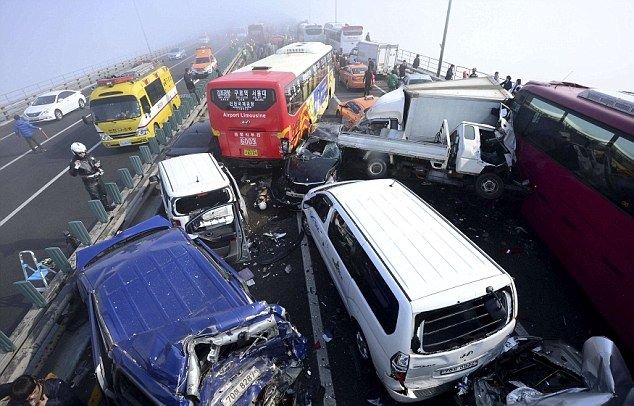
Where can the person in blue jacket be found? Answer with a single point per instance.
(25, 130)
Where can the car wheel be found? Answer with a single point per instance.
(376, 168)
(82, 103)
(58, 114)
(362, 344)
(489, 186)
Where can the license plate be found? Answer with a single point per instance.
(124, 143)
(458, 368)
(236, 391)
(248, 141)
(250, 152)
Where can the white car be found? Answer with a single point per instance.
(176, 53)
(54, 105)
(416, 79)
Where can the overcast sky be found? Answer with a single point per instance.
(588, 42)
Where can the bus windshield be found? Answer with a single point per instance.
(314, 31)
(115, 108)
(243, 99)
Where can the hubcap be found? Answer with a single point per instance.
(376, 169)
(362, 346)
(489, 186)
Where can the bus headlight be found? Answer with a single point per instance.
(142, 131)
(105, 137)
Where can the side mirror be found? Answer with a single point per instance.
(285, 145)
(154, 179)
(87, 120)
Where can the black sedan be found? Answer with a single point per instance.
(313, 164)
(194, 140)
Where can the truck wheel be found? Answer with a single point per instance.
(489, 186)
(377, 168)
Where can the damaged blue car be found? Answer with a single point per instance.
(172, 323)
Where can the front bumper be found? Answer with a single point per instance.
(126, 141)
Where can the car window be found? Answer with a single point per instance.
(64, 95)
(43, 100)
(321, 204)
(369, 281)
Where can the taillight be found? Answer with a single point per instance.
(399, 363)
(176, 223)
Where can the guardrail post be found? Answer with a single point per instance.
(113, 191)
(172, 122)
(136, 164)
(160, 136)
(61, 262)
(28, 291)
(154, 146)
(146, 155)
(178, 117)
(126, 177)
(79, 231)
(98, 210)
(6, 345)
(168, 130)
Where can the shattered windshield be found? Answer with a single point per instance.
(317, 148)
(197, 203)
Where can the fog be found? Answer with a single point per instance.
(587, 42)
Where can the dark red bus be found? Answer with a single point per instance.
(576, 146)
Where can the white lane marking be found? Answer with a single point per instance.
(43, 142)
(334, 96)
(7, 136)
(38, 192)
(315, 316)
(377, 86)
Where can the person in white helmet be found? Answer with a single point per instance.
(89, 170)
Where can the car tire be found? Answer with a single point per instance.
(489, 186)
(376, 168)
(362, 344)
(82, 103)
(58, 114)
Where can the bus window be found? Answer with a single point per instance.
(145, 105)
(155, 91)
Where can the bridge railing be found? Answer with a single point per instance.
(430, 65)
(16, 101)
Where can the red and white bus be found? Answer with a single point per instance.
(345, 37)
(266, 107)
(576, 146)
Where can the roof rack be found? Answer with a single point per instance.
(136, 72)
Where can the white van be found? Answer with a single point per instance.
(429, 306)
(200, 195)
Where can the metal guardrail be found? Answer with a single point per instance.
(24, 350)
(16, 101)
(430, 65)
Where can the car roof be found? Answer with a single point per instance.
(54, 92)
(153, 292)
(422, 250)
(192, 174)
(358, 65)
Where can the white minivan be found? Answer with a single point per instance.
(428, 305)
(201, 196)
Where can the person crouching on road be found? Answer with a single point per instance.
(25, 129)
(89, 170)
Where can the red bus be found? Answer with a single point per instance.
(576, 146)
(266, 107)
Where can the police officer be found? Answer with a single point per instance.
(89, 169)
(188, 78)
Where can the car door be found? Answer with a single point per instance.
(345, 74)
(317, 216)
(469, 160)
(66, 101)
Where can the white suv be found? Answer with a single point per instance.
(429, 306)
(200, 195)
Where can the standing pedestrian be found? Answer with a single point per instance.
(189, 83)
(367, 36)
(496, 77)
(450, 72)
(218, 73)
(465, 74)
(392, 80)
(516, 87)
(371, 65)
(507, 84)
(402, 69)
(473, 73)
(89, 170)
(368, 78)
(416, 63)
(25, 130)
